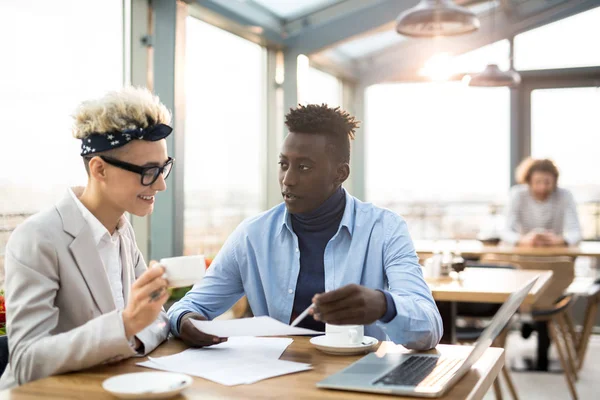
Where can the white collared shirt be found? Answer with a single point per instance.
(109, 248)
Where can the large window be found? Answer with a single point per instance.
(55, 54)
(565, 126)
(316, 86)
(225, 135)
(437, 153)
(570, 42)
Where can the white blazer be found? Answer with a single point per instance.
(60, 312)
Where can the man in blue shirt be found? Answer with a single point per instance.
(354, 261)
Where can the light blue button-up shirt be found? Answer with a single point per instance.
(372, 247)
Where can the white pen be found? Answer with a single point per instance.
(302, 316)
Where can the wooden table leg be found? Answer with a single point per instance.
(448, 312)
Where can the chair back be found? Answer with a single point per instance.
(563, 273)
(559, 307)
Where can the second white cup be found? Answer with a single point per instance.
(344, 335)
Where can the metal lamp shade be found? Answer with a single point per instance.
(492, 76)
(436, 18)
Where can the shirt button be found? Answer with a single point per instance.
(297, 250)
(290, 291)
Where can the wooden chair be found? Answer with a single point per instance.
(563, 273)
(582, 339)
(562, 336)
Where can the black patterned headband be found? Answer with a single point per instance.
(96, 143)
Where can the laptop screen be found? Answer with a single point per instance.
(498, 323)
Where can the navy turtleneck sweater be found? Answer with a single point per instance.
(314, 231)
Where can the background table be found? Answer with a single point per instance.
(475, 249)
(482, 285)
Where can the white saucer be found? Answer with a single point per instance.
(321, 343)
(147, 385)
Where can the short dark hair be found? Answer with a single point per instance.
(335, 123)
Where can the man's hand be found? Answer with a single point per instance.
(349, 305)
(192, 336)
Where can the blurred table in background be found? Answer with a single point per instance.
(482, 285)
(475, 249)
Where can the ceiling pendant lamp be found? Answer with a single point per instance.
(436, 18)
(492, 76)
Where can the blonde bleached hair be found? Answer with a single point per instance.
(127, 108)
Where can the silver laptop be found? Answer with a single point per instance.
(421, 375)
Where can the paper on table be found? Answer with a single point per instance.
(234, 348)
(257, 326)
(237, 372)
(240, 360)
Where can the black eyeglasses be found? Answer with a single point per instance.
(149, 174)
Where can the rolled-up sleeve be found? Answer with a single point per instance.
(417, 324)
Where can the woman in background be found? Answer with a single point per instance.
(540, 213)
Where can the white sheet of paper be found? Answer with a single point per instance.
(238, 372)
(240, 360)
(257, 326)
(236, 347)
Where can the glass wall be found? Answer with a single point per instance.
(438, 154)
(225, 135)
(567, 43)
(54, 55)
(570, 135)
(316, 86)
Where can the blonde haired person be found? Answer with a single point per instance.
(78, 292)
(540, 213)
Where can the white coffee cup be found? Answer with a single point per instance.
(344, 335)
(184, 271)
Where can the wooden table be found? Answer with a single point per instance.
(475, 249)
(88, 384)
(489, 285)
(482, 285)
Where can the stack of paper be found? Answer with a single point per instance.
(240, 360)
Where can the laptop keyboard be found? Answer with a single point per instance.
(420, 371)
